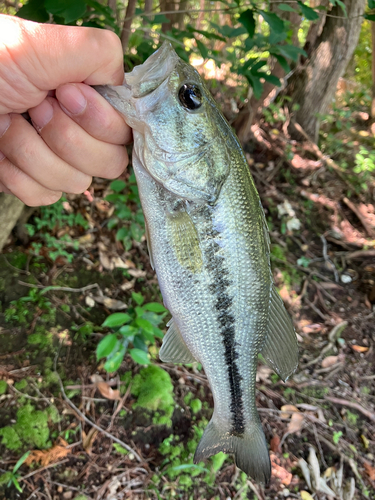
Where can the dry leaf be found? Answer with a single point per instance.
(329, 361)
(286, 409)
(45, 457)
(95, 378)
(275, 444)
(89, 439)
(305, 495)
(113, 304)
(370, 471)
(359, 348)
(263, 373)
(295, 424)
(137, 273)
(366, 442)
(282, 474)
(107, 392)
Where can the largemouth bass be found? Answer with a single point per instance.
(209, 245)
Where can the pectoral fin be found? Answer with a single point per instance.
(184, 241)
(149, 247)
(281, 349)
(174, 349)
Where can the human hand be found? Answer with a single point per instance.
(76, 133)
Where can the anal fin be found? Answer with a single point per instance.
(280, 350)
(174, 349)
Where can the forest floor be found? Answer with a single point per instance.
(87, 434)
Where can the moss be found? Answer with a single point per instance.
(5, 478)
(22, 384)
(10, 438)
(154, 389)
(3, 387)
(41, 338)
(196, 405)
(31, 428)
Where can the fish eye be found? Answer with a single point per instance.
(190, 96)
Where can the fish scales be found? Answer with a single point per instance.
(209, 245)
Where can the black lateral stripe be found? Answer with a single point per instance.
(219, 289)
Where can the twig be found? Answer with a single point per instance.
(362, 219)
(32, 494)
(60, 288)
(318, 311)
(327, 259)
(121, 404)
(29, 397)
(351, 404)
(89, 422)
(42, 469)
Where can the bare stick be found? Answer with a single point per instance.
(351, 404)
(60, 288)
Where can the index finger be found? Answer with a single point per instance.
(35, 58)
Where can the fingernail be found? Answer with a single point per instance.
(72, 99)
(4, 124)
(41, 114)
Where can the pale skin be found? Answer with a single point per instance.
(47, 70)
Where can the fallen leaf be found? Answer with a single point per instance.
(275, 444)
(286, 409)
(107, 392)
(89, 439)
(296, 422)
(359, 348)
(329, 361)
(46, 457)
(137, 273)
(370, 471)
(305, 495)
(95, 378)
(113, 304)
(263, 373)
(282, 474)
(366, 442)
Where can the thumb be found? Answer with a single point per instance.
(35, 58)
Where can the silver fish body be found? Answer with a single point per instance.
(209, 246)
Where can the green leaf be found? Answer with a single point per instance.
(16, 484)
(114, 362)
(257, 66)
(136, 231)
(343, 6)
(21, 461)
(106, 346)
(138, 298)
(286, 8)
(291, 51)
(282, 62)
(272, 79)
(145, 325)
(127, 330)
(370, 17)
(120, 449)
(140, 356)
(186, 467)
(154, 307)
(256, 85)
(308, 12)
(158, 333)
(202, 49)
(247, 20)
(118, 185)
(70, 10)
(117, 319)
(273, 21)
(370, 3)
(33, 10)
(159, 19)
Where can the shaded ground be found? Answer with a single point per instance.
(325, 272)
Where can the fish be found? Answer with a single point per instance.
(208, 242)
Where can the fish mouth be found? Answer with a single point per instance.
(147, 77)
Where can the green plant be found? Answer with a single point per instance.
(336, 436)
(12, 476)
(128, 216)
(20, 311)
(137, 328)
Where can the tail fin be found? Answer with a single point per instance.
(250, 449)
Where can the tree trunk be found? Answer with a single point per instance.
(126, 28)
(313, 85)
(10, 210)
